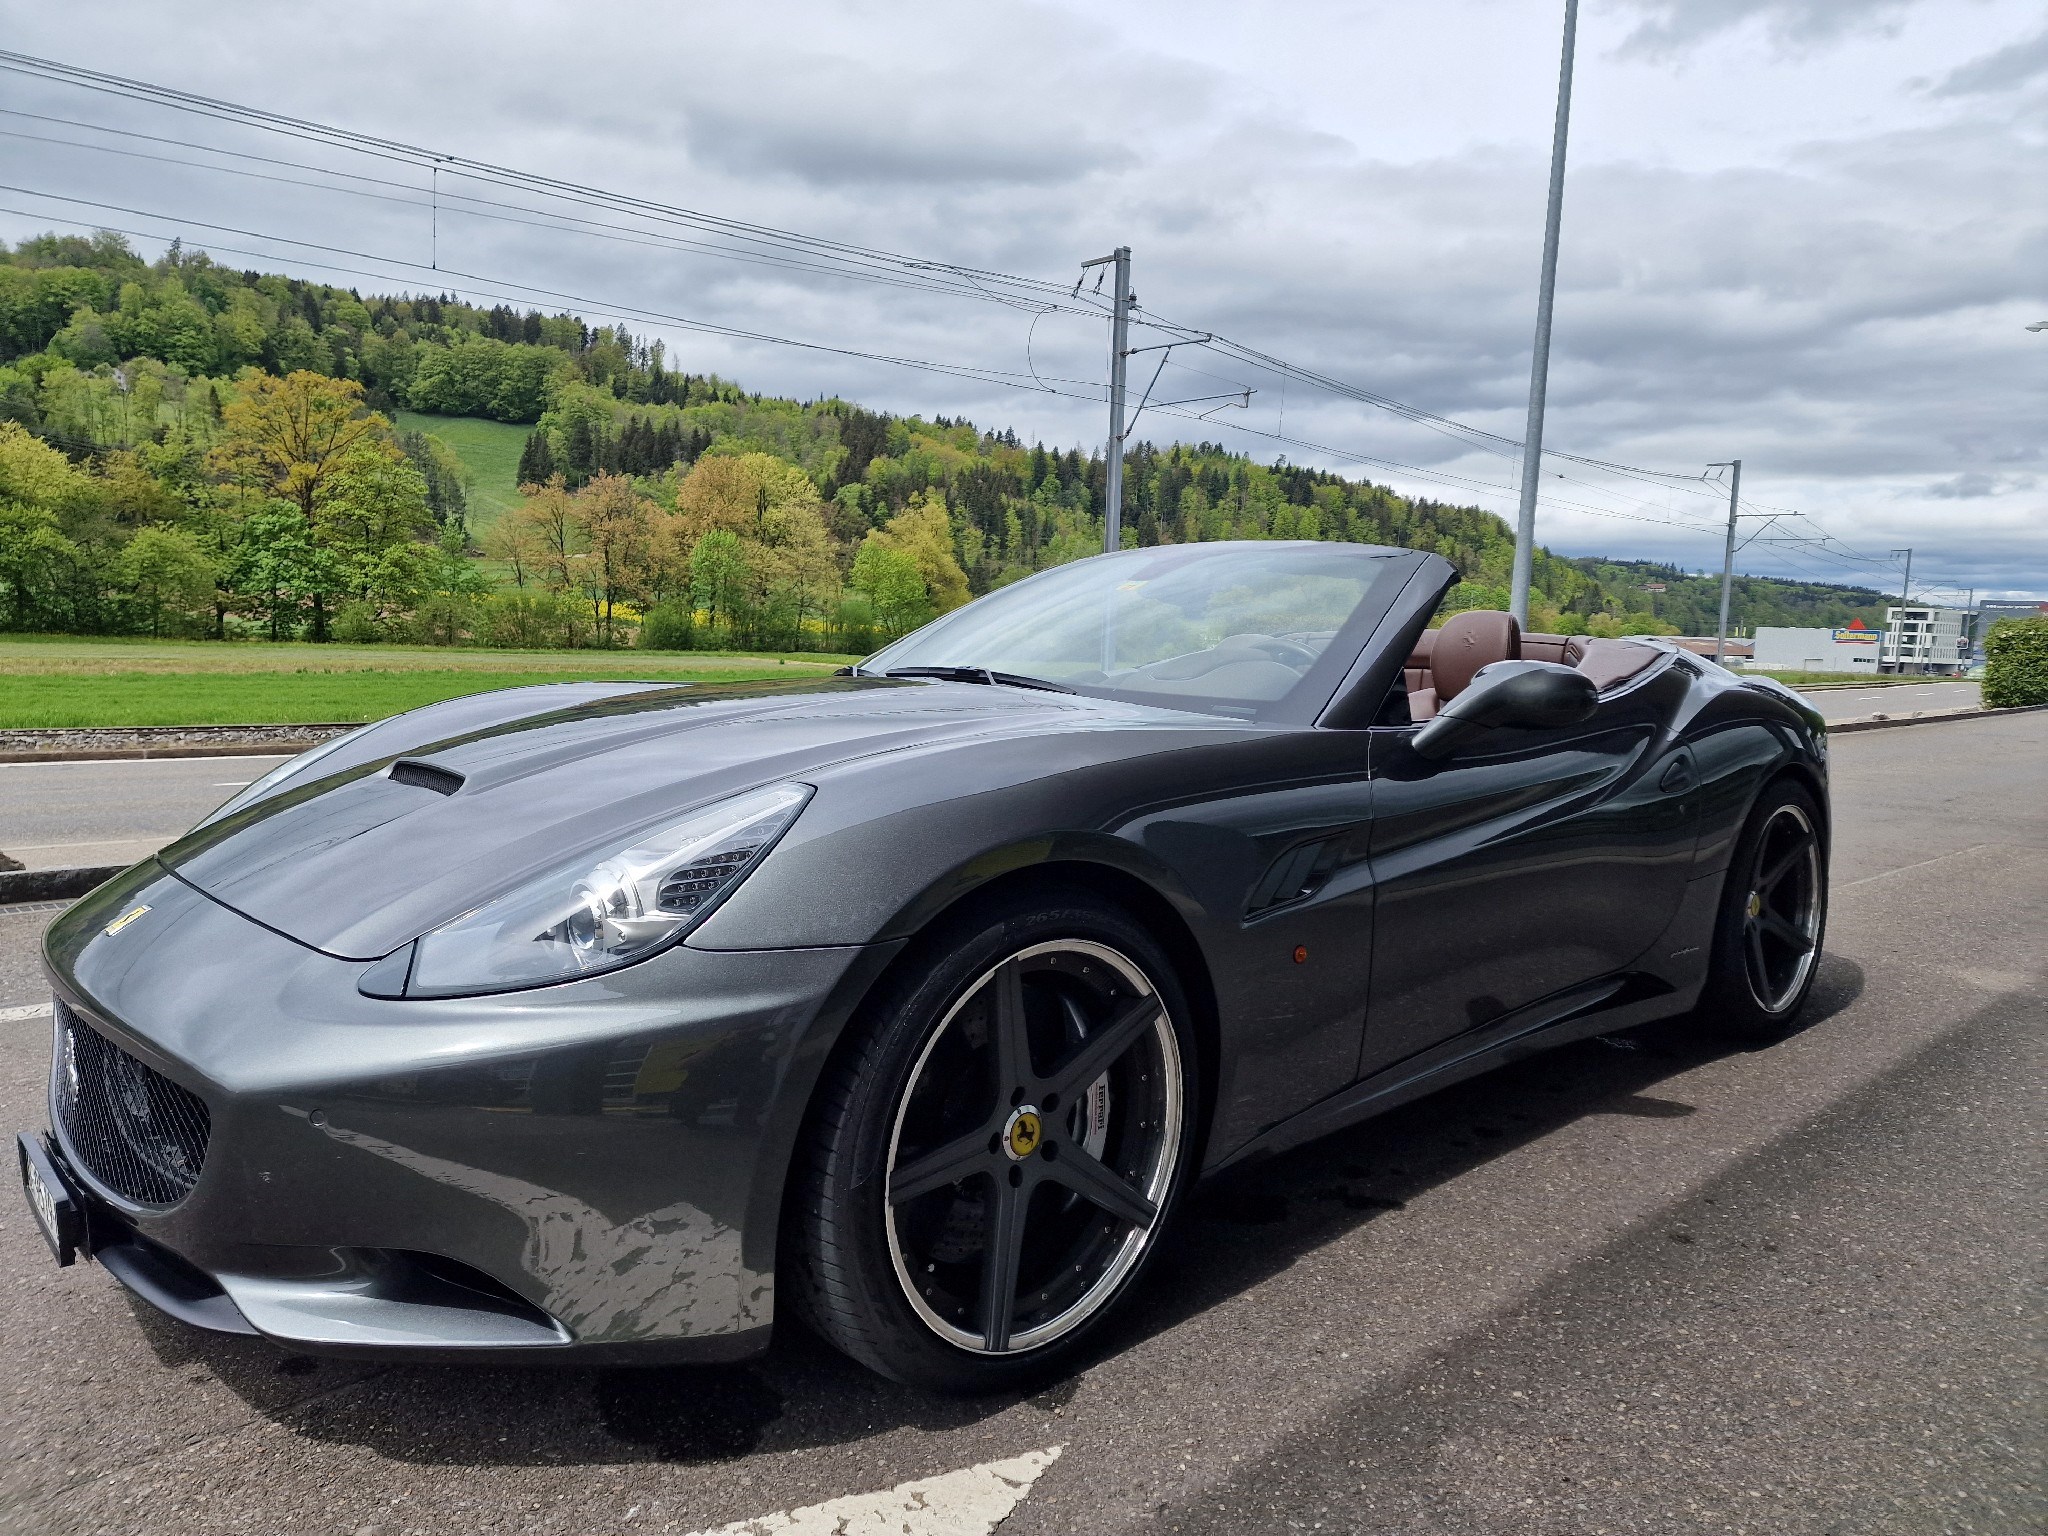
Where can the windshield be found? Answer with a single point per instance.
(1232, 627)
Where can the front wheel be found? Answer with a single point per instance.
(1773, 917)
(993, 1159)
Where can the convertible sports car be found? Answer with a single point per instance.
(589, 1021)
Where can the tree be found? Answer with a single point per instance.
(924, 534)
(166, 572)
(372, 515)
(278, 568)
(891, 582)
(719, 578)
(618, 537)
(37, 483)
(537, 459)
(290, 438)
(290, 435)
(772, 509)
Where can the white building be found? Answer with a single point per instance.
(1815, 650)
(1925, 640)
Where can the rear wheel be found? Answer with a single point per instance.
(993, 1159)
(1773, 918)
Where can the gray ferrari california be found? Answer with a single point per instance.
(599, 1021)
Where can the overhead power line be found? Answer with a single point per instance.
(741, 240)
(664, 226)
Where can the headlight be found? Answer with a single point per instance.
(604, 910)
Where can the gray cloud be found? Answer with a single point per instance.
(2002, 70)
(1964, 487)
(1670, 26)
(1840, 304)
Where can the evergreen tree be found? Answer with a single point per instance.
(579, 453)
(536, 460)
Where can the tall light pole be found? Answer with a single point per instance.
(1539, 368)
(1734, 467)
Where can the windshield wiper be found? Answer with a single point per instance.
(979, 675)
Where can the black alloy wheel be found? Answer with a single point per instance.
(1767, 943)
(1021, 1124)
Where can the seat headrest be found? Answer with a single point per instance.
(1467, 642)
(1424, 644)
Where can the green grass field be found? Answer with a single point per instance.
(65, 681)
(489, 450)
(1841, 680)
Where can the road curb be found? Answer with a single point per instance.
(105, 743)
(25, 885)
(1929, 717)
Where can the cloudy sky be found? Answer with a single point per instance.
(1806, 233)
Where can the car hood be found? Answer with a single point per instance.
(360, 858)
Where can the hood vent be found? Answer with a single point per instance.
(441, 781)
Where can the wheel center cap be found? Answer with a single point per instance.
(1756, 904)
(1023, 1133)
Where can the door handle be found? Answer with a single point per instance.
(1677, 778)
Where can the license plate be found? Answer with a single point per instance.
(50, 1201)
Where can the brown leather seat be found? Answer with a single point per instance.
(1417, 671)
(1443, 662)
(1468, 641)
(1610, 663)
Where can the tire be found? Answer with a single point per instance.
(1022, 1095)
(1772, 919)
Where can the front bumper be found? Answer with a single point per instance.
(587, 1172)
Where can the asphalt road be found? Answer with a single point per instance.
(1640, 1285)
(54, 814)
(1894, 699)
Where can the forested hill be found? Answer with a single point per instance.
(134, 370)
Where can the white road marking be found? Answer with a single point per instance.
(25, 1011)
(969, 1503)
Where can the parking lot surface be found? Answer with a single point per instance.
(1643, 1284)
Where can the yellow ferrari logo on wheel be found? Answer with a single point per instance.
(1025, 1132)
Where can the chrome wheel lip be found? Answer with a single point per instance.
(1135, 1242)
(1808, 923)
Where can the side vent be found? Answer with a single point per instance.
(1296, 874)
(425, 775)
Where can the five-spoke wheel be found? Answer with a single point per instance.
(1038, 1130)
(1773, 916)
(997, 1150)
(1781, 914)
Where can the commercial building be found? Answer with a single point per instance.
(1989, 613)
(1925, 640)
(1733, 652)
(1850, 651)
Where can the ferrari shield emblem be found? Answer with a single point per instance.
(123, 921)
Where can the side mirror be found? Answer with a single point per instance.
(1534, 695)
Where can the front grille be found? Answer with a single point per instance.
(132, 1128)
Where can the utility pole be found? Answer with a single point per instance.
(1734, 466)
(1905, 590)
(1539, 368)
(1122, 302)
